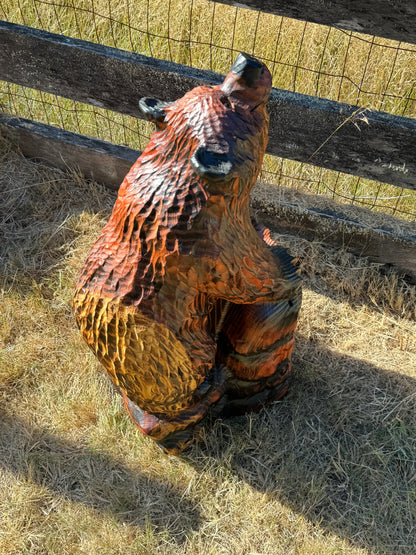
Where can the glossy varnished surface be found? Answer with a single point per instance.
(183, 301)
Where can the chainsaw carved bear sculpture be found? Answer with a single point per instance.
(188, 304)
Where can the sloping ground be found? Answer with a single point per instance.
(330, 469)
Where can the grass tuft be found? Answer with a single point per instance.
(370, 72)
(330, 469)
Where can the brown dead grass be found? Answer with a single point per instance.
(370, 72)
(331, 469)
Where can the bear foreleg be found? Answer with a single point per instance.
(255, 346)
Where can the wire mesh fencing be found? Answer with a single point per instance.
(371, 72)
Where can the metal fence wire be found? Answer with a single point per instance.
(346, 66)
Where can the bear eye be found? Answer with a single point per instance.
(225, 100)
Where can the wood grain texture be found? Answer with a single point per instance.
(99, 160)
(178, 252)
(335, 229)
(108, 164)
(114, 79)
(392, 19)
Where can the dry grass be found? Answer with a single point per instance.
(331, 469)
(371, 72)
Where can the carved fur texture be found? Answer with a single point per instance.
(188, 305)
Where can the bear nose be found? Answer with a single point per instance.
(247, 68)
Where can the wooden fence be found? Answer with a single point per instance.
(381, 148)
(392, 19)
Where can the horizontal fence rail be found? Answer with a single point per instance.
(384, 18)
(99, 160)
(371, 144)
(108, 164)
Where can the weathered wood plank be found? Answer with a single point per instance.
(335, 230)
(109, 78)
(92, 73)
(104, 162)
(381, 148)
(383, 18)
(108, 164)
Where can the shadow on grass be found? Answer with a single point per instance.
(94, 479)
(340, 449)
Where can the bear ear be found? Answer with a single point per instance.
(214, 166)
(153, 109)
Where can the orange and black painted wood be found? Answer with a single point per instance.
(189, 305)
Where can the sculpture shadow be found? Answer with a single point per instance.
(339, 449)
(94, 479)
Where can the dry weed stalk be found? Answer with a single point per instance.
(331, 469)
